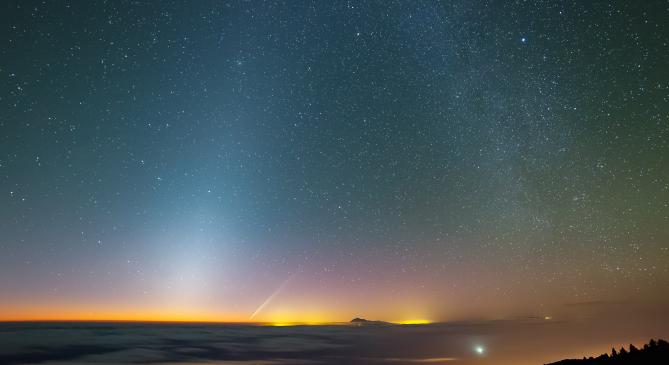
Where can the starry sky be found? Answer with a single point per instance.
(319, 160)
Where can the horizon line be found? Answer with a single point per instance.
(248, 323)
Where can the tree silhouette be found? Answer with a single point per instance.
(652, 353)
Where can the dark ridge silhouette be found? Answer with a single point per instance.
(652, 353)
(365, 322)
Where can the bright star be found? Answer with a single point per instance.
(523, 40)
(479, 350)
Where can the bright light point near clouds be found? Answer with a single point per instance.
(523, 40)
(479, 350)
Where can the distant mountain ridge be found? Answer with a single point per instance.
(652, 353)
(364, 322)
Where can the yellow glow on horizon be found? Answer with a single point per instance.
(414, 321)
(282, 324)
(289, 324)
(282, 317)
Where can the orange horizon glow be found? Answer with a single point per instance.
(194, 320)
(37, 314)
(281, 314)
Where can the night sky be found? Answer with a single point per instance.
(318, 161)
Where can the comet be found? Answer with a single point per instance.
(271, 297)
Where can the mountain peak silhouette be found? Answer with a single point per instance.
(364, 322)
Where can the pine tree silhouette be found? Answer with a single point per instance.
(652, 353)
